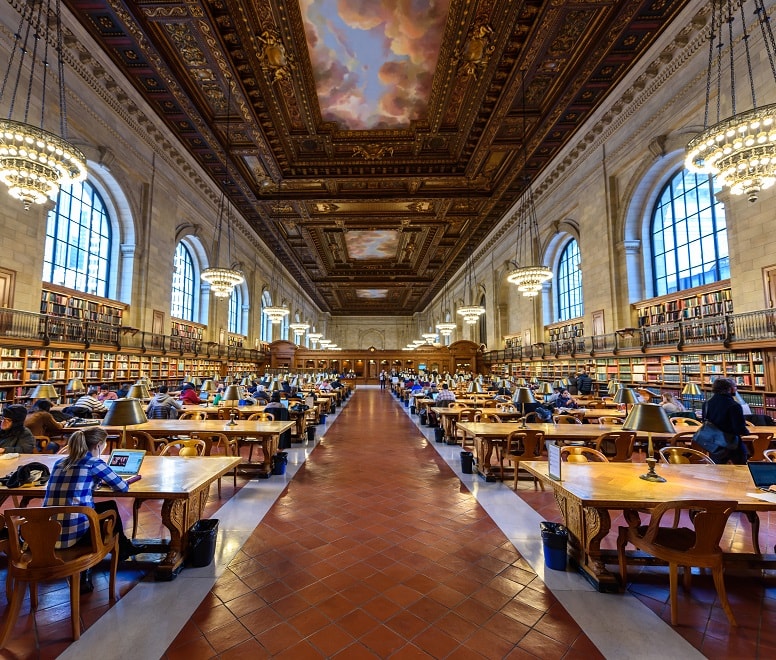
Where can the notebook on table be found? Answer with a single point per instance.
(763, 474)
(126, 462)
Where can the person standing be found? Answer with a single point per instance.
(726, 414)
(382, 379)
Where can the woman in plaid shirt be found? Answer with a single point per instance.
(72, 483)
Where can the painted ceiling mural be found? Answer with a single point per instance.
(373, 145)
(373, 60)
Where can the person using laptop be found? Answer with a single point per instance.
(72, 483)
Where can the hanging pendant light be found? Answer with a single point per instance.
(35, 163)
(275, 313)
(445, 328)
(223, 280)
(314, 337)
(739, 150)
(471, 313)
(528, 275)
(298, 329)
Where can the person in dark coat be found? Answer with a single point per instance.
(15, 438)
(584, 383)
(280, 413)
(726, 414)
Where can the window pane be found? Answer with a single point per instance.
(686, 212)
(182, 304)
(569, 283)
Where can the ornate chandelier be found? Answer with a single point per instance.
(314, 336)
(223, 280)
(429, 337)
(471, 313)
(530, 278)
(34, 163)
(739, 150)
(275, 313)
(298, 329)
(445, 329)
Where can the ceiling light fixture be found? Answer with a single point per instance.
(471, 313)
(313, 337)
(34, 163)
(445, 328)
(223, 280)
(739, 150)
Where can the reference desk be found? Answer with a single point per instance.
(266, 434)
(588, 492)
(182, 483)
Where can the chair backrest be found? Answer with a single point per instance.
(193, 447)
(143, 440)
(506, 407)
(466, 415)
(566, 419)
(218, 441)
(770, 455)
(617, 446)
(532, 418)
(261, 417)
(225, 413)
(685, 421)
(611, 420)
(33, 534)
(487, 418)
(682, 438)
(760, 442)
(581, 454)
(455, 405)
(193, 414)
(527, 443)
(708, 518)
(684, 455)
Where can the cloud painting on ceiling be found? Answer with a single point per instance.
(371, 294)
(377, 244)
(374, 59)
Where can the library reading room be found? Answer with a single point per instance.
(459, 347)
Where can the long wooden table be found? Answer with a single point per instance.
(589, 492)
(183, 483)
(266, 434)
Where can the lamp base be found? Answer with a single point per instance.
(231, 422)
(651, 475)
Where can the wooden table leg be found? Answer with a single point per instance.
(178, 515)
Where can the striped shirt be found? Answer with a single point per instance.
(92, 403)
(73, 487)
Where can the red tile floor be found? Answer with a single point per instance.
(376, 549)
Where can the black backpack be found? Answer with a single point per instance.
(23, 475)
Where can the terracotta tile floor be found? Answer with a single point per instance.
(376, 550)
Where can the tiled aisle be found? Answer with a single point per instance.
(376, 550)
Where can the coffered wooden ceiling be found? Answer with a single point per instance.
(373, 221)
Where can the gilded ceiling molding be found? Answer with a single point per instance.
(477, 51)
(372, 151)
(273, 56)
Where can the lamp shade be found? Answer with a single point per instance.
(545, 388)
(612, 386)
(75, 385)
(626, 395)
(521, 382)
(232, 393)
(138, 391)
(196, 382)
(692, 389)
(524, 395)
(44, 391)
(125, 412)
(208, 386)
(649, 417)
(475, 388)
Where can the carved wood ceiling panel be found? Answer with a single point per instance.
(372, 221)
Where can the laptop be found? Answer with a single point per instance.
(126, 462)
(763, 474)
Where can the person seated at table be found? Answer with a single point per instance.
(551, 400)
(72, 483)
(15, 437)
(564, 400)
(325, 386)
(189, 395)
(163, 406)
(445, 394)
(260, 393)
(40, 421)
(280, 414)
(105, 394)
(671, 404)
(91, 402)
(123, 391)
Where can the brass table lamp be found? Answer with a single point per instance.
(44, 391)
(125, 412)
(649, 417)
(232, 394)
(627, 396)
(524, 395)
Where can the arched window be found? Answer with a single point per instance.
(689, 234)
(182, 306)
(483, 325)
(569, 283)
(266, 326)
(235, 311)
(78, 241)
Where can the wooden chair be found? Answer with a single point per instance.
(143, 440)
(770, 455)
(617, 421)
(188, 447)
(226, 413)
(487, 418)
(683, 546)
(4, 550)
(684, 455)
(222, 445)
(193, 414)
(532, 418)
(33, 557)
(506, 407)
(258, 417)
(581, 454)
(523, 446)
(566, 419)
(685, 421)
(760, 442)
(465, 415)
(617, 446)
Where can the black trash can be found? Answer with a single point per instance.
(423, 418)
(202, 543)
(412, 410)
(467, 462)
(322, 419)
(439, 434)
(279, 462)
(310, 434)
(554, 537)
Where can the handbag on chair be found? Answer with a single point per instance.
(711, 438)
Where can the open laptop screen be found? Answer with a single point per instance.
(126, 461)
(763, 473)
